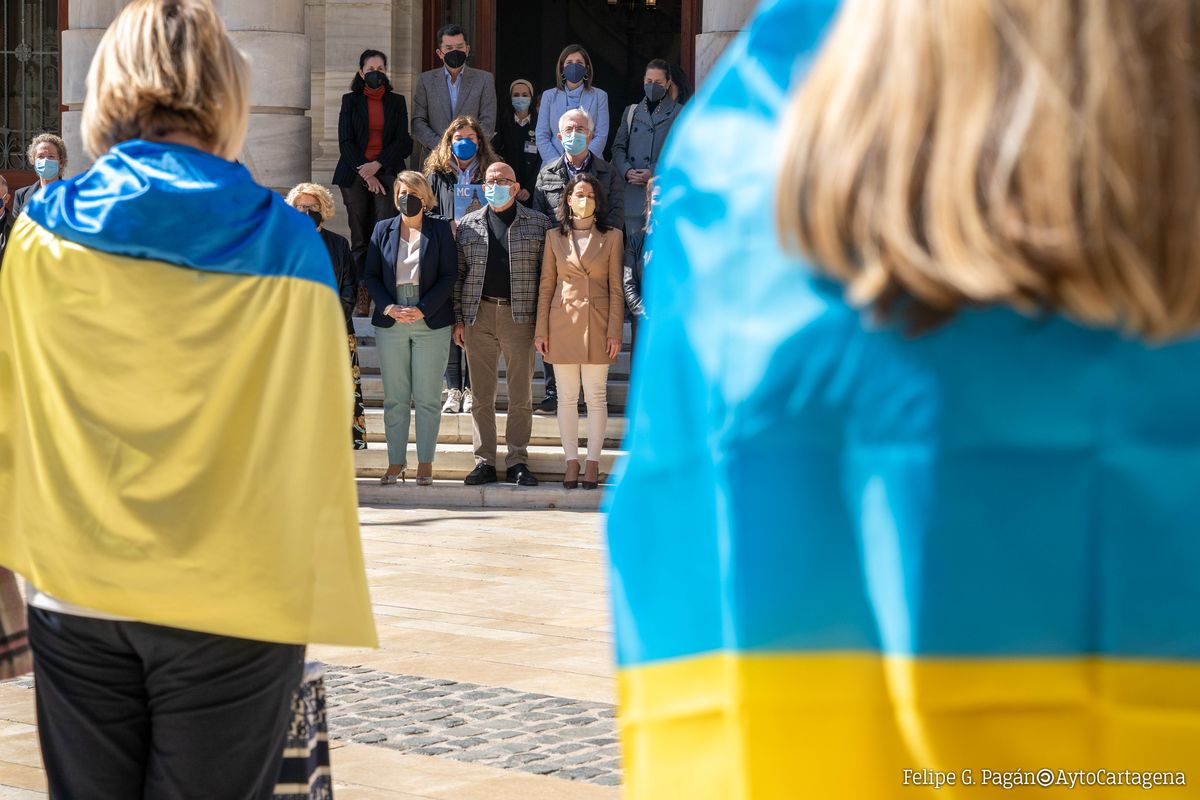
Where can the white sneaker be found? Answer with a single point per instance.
(454, 401)
(468, 401)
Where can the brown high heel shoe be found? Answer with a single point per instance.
(424, 473)
(571, 478)
(591, 475)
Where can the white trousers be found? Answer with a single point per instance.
(594, 379)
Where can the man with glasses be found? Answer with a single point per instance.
(575, 131)
(495, 309)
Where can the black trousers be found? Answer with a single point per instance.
(457, 376)
(364, 208)
(128, 710)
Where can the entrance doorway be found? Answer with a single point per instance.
(522, 39)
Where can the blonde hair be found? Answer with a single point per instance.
(946, 154)
(48, 138)
(416, 184)
(324, 198)
(442, 158)
(167, 66)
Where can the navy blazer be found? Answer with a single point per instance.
(439, 270)
(353, 134)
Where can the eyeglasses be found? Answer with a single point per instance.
(307, 208)
(573, 129)
(498, 182)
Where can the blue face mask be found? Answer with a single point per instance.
(496, 195)
(46, 168)
(522, 103)
(574, 73)
(574, 142)
(464, 149)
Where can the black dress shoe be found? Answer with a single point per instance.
(483, 473)
(549, 405)
(520, 475)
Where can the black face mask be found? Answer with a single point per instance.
(409, 205)
(454, 58)
(374, 79)
(315, 216)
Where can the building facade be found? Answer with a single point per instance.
(303, 54)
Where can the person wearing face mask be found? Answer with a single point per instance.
(495, 307)
(644, 128)
(574, 90)
(575, 134)
(452, 90)
(455, 171)
(373, 141)
(315, 201)
(581, 318)
(411, 271)
(516, 138)
(47, 155)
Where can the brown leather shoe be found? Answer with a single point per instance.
(591, 475)
(571, 478)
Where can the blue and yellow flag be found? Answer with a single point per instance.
(174, 394)
(849, 563)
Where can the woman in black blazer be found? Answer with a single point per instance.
(412, 264)
(373, 140)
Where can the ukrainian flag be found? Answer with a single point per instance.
(848, 563)
(174, 392)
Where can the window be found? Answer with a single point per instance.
(29, 76)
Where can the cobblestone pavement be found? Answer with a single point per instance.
(497, 727)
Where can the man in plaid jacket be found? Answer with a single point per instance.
(495, 308)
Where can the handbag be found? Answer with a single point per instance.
(304, 773)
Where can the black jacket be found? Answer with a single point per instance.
(439, 270)
(5, 227)
(442, 184)
(509, 142)
(343, 273)
(632, 282)
(22, 196)
(354, 133)
(553, 179)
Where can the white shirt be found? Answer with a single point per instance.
(408, 261)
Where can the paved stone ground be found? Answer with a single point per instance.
(497, 727)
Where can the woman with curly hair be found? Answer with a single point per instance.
(460, 159)
(317, 202)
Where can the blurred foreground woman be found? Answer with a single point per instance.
(943, 472)
(180, 551)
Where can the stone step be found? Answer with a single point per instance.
(454, 494)
(368, 362)
(454, 461)
(365, 330)
(618, 393)
(457, 429)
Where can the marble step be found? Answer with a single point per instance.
(618, 393)
(454, 461)
(457, 429)
(445, 494)
(368, 362)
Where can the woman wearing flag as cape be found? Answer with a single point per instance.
(942, 460)
(174, 478)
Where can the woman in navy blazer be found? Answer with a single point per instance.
(412, 264)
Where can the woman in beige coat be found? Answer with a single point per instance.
(580, 318)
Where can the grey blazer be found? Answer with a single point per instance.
(432, 113)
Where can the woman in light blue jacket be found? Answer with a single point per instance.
(574, 90)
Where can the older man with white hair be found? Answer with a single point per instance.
(575, 131)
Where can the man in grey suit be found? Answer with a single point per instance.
(454, 90)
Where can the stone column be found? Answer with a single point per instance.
(721, 20)
(269, 32)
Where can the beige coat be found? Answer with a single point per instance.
(581, 303)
